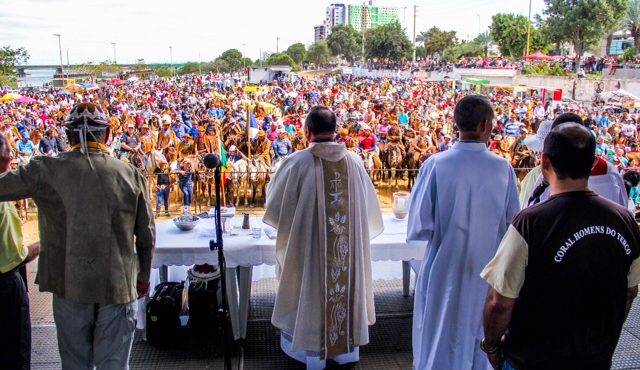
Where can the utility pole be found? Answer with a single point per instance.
(68, 67)
(277, 45)
(60, 50)
(199, 64)
(171, 59)
(528, 30)
(363, 29)
(114, 53)
(415, 17)
(260, 57)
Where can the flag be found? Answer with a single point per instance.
(253, 126)
(223, 155)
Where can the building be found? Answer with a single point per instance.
(320, 32)
(364, 17)
(336, 15)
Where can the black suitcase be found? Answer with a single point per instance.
(163, 313)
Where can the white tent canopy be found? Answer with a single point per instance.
(618, 95)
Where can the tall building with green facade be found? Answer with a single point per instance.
(364, 17)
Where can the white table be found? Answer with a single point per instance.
(242, 252)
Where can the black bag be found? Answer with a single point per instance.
(203, 307)
(163, 313)
(204, 283)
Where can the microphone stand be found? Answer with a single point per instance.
(217, 244)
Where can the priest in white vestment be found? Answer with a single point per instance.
(326, 210)
(462, 204)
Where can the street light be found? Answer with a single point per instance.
(60, 49)
(171, 59)
(114, 53)
(243, 57)
(528, 30)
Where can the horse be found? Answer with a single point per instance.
(257, 179)
(412, 162)
(237, 180)
(276, 163)
(393, 161)
(524, 165)
(372, 166)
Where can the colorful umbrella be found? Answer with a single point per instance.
(538, 55)
(73, 88)
(10, 97)
(25, 100)
(116, 82)
(90, 86)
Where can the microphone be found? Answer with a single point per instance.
(211, 161)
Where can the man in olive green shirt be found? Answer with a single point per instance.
(15, 323)
(97, 239)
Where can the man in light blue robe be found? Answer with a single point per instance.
(463, 203)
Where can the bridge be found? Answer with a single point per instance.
(124, 66)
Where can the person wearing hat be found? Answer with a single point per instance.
(344, 138)
(299, 141)
(97, 239)
(166, 137)
(185, 178)
(186, 147)
(162, 187)
(130, 142)
(281, 146)
(261, 148)
(605, 179)
(10, 133)
(211, 140)
(146, 139)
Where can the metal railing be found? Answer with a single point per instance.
(204, 196)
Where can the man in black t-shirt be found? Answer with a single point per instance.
(566, 272)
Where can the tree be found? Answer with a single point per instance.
(233, 58)
(319, 53)
(509, 31)
(9, 59)
(463, 49)
(189, 68)
(387, 42)
(220, 66)
(345, 41)
(297, 52)
(632, 22)
(436, 40)
(584, 22)
(281, 59)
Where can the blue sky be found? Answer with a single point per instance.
(145, 29)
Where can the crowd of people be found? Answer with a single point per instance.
(393, 124)
(465, 209)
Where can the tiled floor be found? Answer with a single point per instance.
(389, 348)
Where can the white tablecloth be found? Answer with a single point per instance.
(185, 248)
(243, 252)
